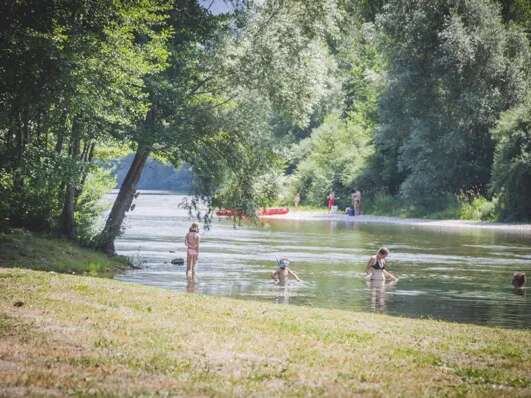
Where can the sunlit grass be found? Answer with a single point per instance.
(28, 250)
(80, 336)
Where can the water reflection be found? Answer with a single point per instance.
(377, 293)
(282, 295)
(462, 276)
(190, 284)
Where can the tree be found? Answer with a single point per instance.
(511, 174)
(70, 74)
(453, 68)
(213, 66)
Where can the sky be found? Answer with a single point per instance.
(217, 7)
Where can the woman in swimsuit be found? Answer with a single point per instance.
(376, 267)
(191, 241)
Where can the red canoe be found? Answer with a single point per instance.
(262, 212)
(273, 211)
(229, 213)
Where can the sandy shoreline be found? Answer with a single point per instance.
(369, 219)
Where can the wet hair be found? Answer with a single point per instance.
(283, 263)
(519, 279)
(383, 251)
(194, 227)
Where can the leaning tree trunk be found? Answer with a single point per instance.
(123, 201)
(67, 216)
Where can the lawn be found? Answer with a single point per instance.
(78, 335)
(24, 249)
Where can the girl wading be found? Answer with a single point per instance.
(376, 267)
(191, 241)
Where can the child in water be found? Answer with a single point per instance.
(519, 280)
(376, 267)
(282, 274)
(191, 241)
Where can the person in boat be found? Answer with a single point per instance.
(376, 267)
(191, 242)
(281, 275)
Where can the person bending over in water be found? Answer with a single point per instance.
(191, 241)
(282, 274)
(376, 267)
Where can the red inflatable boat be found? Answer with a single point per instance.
(229, 213)
(273, 211)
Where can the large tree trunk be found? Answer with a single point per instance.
(67, 217)
(123, 201)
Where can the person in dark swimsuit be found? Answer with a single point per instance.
(376, 266)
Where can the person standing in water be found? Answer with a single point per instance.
(282, 274)
(376, 267)
(191, 242)
(331, 201)
(356, 202)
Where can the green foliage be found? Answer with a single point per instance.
(20, 248)
(452, 69)
(89, 204)
(338, 153)
(32, 192)
(511, 174)
(477, 207)
(70, 75)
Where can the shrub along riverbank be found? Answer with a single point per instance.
(24, 249)
(64, 334)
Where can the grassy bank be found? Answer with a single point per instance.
(24, 249)
(64, 334)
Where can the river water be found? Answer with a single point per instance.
(456, 275)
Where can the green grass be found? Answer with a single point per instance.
(82, 336)
(24, 249)
(460, 207)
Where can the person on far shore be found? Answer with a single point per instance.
(356, 201)
(297, 199)
(331, 201)
(281, 275)
(191, 241)
(376, 267)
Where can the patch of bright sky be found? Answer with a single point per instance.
(217, 6)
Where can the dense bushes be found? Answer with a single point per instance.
(338, 151)
(442, 74)
(511, 177)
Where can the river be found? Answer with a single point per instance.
(448, 274)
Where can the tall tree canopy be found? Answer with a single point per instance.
(453, 68)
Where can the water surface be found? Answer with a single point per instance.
(449, 274)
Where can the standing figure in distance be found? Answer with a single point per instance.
(191, 241)
(331, 200)
(297, 199)
(356, 202)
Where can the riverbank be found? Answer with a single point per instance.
(319, 215)
(24, 249)
(72, 335)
